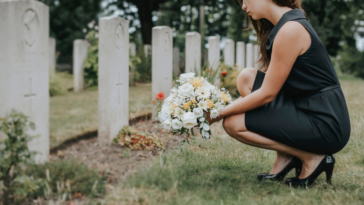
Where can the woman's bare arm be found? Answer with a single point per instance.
(291, 41)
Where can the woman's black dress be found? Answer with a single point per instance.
(309, 113)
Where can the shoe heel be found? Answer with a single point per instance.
(329, 172)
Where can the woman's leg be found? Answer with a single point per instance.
(245, 82)
(235, 126)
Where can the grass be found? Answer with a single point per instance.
(223, 171)
(74, 114)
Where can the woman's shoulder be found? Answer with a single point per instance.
(294, 35)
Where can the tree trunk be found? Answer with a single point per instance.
(145, 18)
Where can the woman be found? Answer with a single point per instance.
(294, 104)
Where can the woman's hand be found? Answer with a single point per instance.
(211, 121)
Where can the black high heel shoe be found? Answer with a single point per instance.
(326, 165)
(294, 163)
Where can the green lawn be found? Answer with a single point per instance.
(74, 114)
(223, 171)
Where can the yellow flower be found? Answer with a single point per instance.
(186, 106)
(174, 106)
(210, 104)
(197, 82)
(224, 97)
(193, 101)
(189, 102)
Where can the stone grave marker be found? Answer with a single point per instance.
(113, 102)
(249, 55)
(162, 60)
(214, 55)
(240, 55)
(176, 61)
(132, 48)
(80, 49)
(24, 67)
(147, 50)
(229, 53)
(193, 53)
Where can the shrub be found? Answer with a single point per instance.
(55, 87)
(91, 64)
(68, 178)
(15, 156)
(228, 77)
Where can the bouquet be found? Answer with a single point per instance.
(187, 103)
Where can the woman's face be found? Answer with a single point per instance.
(254, 8)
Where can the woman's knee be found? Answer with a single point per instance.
(245, 80)
(227, 124)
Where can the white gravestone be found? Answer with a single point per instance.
(256, 56)
(80, 49)
(162, 42)
(249, 55)
(113, 102)
(214, 56)
(229, 54)
(52, 56)
(24, 67)
(132, 49)
(176, 61)
(240, 55)
(147, 50)
(193, 53)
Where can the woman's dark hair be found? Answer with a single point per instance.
(263, 27)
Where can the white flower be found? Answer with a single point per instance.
(198, 112)
(167, 124)
(186, 90)
(189, 120)
(219, 106)
(178, 101)
(163, 116)
(206, 127)
(176, 124)
(203, 92)
(203, 105)
(205, 134)
(178, 112)
(209, 86)
(214, 113)
(202, 119)
(170, 98)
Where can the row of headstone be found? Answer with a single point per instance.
(244, 58)
(25, 66)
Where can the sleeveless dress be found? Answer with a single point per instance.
(309, 113)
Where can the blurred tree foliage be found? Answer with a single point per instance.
(70, 20)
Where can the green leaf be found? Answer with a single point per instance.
(193, 134)
(181, 145)
(32, 125)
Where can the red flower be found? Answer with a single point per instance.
(224, 73)
(160, 96)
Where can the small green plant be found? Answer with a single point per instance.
(91, 64)
(55, 87)
(209, 73)
(134, 62)
(15, 156)
(66, 179)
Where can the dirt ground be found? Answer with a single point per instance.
(113, 161)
